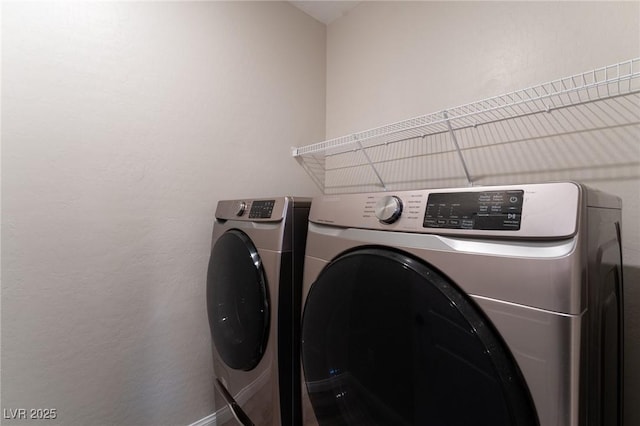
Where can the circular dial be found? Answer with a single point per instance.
(388, 209)
(240, 208)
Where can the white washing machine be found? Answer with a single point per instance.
(487, 306)
(253, 303)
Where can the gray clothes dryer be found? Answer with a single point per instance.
(482, 306)
(254, 283)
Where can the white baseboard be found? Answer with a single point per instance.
(210, 420)
(224, 414)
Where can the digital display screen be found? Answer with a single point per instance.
(490, 210)
(261, 209)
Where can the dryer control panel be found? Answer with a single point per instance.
(262, 210)
(487, 210)
(548, 210)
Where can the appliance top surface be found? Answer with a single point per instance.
(269, 209)
(548, 210)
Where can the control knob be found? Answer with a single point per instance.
(388, 209)
(240, 208)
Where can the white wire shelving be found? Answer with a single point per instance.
(582, 127)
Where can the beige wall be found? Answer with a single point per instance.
(390, 61)
(122, 125)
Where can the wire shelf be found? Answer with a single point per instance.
(582, 127)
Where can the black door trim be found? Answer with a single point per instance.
(351, 270)
(238, 301)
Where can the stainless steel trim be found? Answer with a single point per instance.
(530, 249)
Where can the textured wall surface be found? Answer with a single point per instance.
(123, 123)
(389, 61)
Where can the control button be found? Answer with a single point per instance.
(262, 209)
(240, 208)
(454, 222)
(388, 209)
(513, 200)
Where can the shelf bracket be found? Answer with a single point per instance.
(457, 147)
(373, 167)
(317, 180)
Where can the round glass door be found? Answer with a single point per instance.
(237, 301)
(388, 340)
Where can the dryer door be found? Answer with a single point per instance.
(388, 340)
(237, 301)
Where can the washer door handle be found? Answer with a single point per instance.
(237, 412)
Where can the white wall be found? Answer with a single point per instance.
(122, 125)
(389, 61)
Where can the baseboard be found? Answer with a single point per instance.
(210, 420)
(224, 414)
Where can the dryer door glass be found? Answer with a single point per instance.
(388, 340)
(237, 301)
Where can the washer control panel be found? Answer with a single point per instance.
(486, 210)
(528, 210)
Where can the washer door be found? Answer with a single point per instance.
(388, 340)
(237, 301)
